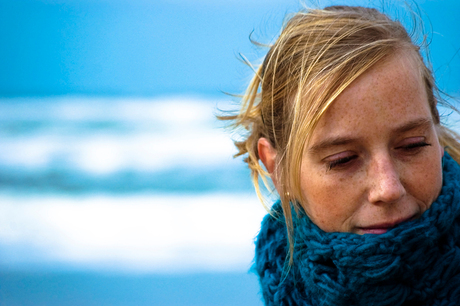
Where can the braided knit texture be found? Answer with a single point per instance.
(415, 263)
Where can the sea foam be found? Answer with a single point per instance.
(149, 233)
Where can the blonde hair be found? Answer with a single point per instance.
(317, 55)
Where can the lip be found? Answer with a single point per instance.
(382, 228)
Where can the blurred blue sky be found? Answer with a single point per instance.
(159, 47)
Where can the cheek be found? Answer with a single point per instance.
(426, 183)
(328, 201)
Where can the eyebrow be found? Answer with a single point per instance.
(337, 141)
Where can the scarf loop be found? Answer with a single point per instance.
(415, 263)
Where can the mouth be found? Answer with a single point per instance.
(382, 228)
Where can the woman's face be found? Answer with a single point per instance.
(374, 159)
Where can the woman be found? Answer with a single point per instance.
(347, 128)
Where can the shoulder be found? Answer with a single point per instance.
(271, 243)
(281, 284)
(271, 251)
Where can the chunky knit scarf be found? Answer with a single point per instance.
(415, 263)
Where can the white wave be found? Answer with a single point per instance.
(165, 133)
(102, 153)
(143, 233)
(175, 109)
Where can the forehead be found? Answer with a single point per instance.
(387, 95)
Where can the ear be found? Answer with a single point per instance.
(267, 155)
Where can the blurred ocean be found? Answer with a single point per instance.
(116, 201)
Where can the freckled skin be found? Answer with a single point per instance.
(386, 181)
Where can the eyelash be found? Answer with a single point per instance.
(340, 162)
(416, 145)
(344, 160)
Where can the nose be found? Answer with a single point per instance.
(385, 182)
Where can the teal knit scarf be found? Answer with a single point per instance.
(415, 263)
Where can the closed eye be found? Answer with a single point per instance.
(412, 146)
(341, 162)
